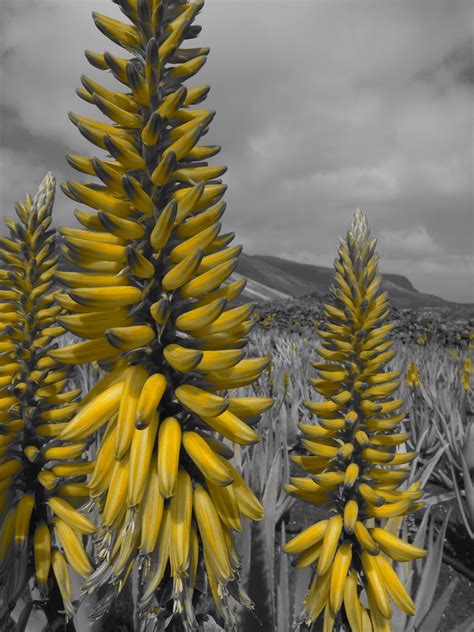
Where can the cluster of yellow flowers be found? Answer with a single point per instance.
(354, 465)
(413, 376)
(467, 371)
(150, 300)
(41, 479)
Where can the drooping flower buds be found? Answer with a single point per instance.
(38, 500)
(152, 299)
(354, 465)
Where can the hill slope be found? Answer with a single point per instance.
(300, 279)
(274, 279)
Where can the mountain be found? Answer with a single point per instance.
(268, 274)
(275, 279)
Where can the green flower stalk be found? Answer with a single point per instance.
(354, 463)
(41, 480)
(151, 299)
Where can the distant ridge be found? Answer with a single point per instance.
(274, 279)
(267, 274)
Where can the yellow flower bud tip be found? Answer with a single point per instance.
(345, 451)
(31, 452)
(351, 418)
(361, 438)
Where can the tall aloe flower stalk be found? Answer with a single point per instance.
(151, 302)
(41, 480)
(354, 464)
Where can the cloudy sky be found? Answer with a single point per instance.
(322, 106)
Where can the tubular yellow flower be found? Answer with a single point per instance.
(35, 407)
(152, 303)
(42, 553)
(355, 464)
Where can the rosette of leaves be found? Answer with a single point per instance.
(42, 480)
(354, 458)
(152, 300)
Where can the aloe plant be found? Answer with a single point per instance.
(41, 481)
(421, 578)
(265, 572)
(150, 300)
(354, 453)
(442, 434)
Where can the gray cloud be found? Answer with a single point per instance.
(458, 63)
(322, 107)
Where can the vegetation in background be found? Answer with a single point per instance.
(440, 370)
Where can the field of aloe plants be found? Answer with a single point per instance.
(436, 386)
(166, 463)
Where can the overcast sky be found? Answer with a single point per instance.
(322, 107)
